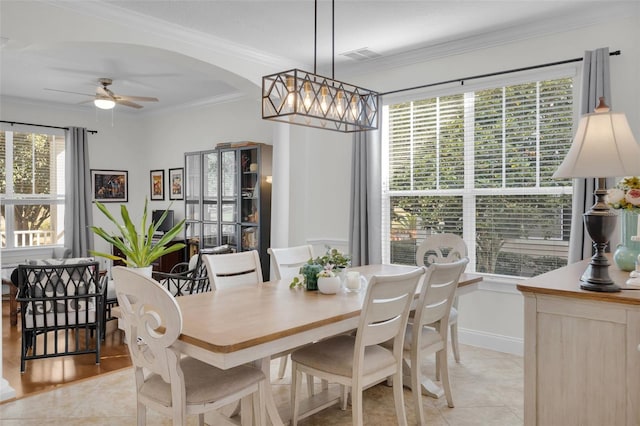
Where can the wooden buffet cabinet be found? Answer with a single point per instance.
(581, 351)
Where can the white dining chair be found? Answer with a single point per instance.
(285, 264)
(427, 330)
(166, 381)
(286, 261)
(358, 361)
(444, 248)
(233, 269)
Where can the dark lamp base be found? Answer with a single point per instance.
(602, 288)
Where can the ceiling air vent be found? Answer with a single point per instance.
(361, 54)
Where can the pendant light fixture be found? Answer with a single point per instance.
(308, 99)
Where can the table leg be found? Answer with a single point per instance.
(272, 410)
(428, 387)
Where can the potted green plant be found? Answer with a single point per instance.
(333, 261)
(137, 245)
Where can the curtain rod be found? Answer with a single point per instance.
(462, 80)
(93, 132)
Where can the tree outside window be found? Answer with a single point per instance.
(479, 164)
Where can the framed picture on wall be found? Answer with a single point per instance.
(110, 186)
(176, 184)
(157, 184)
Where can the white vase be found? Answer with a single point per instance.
(329, 285)
(145, 270)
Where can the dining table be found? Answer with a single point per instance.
(252, 324)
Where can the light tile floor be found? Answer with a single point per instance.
(487, 390)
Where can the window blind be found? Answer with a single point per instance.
(479, 164)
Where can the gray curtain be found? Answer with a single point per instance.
(595, 83)
(78, 217)
(365, 224)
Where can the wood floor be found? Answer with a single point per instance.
(46, 374)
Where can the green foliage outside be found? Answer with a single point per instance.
(33, 155)
(521, 133)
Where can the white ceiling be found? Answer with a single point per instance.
(195, 52)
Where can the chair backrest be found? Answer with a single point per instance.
(286, 262)
(228, 270)
(437, 294)
(440, 248)
(385, 311)
(55, 292)
(152, 322)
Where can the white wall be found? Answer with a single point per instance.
(493, 316)
(318, 163)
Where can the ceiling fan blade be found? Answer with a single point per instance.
(67, 91)
(128, 103)
(137, 98)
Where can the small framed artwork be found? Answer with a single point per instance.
(110, 186)
(157, 184)
(176, 185)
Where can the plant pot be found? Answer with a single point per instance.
(310, 274)
(329, 285)
(145, 270)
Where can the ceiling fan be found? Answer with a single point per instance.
(104, 98)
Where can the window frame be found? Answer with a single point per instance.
(10, 199)
(468, 193)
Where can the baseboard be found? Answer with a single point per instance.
(6, 391)
(494, 342)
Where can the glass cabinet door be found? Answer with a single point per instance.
(229, 186)
(210, 187)
(193, 174)
(230, 235)
(210, 235)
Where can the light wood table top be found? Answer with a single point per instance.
(229, 320)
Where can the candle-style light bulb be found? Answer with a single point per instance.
(324, 106)
(307, 96)
(340, 104)
(355, 113)
(291, 90)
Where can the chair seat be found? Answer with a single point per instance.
(61, 319)
(203, 382)
(335, 356)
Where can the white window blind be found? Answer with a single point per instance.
(479, 164)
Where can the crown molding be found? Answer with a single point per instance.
(219, 46)
(590, 16)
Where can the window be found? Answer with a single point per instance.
(31, 189)
(478, 163)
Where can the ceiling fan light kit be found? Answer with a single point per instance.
(104, 98)
(104, 103)
(308, 99)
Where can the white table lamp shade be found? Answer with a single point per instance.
(603, 146)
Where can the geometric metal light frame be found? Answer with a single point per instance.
(307, 99)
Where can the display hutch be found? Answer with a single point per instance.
(228, 199)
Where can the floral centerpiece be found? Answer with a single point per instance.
(332, 263)
(625, 195)
(626, 198)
